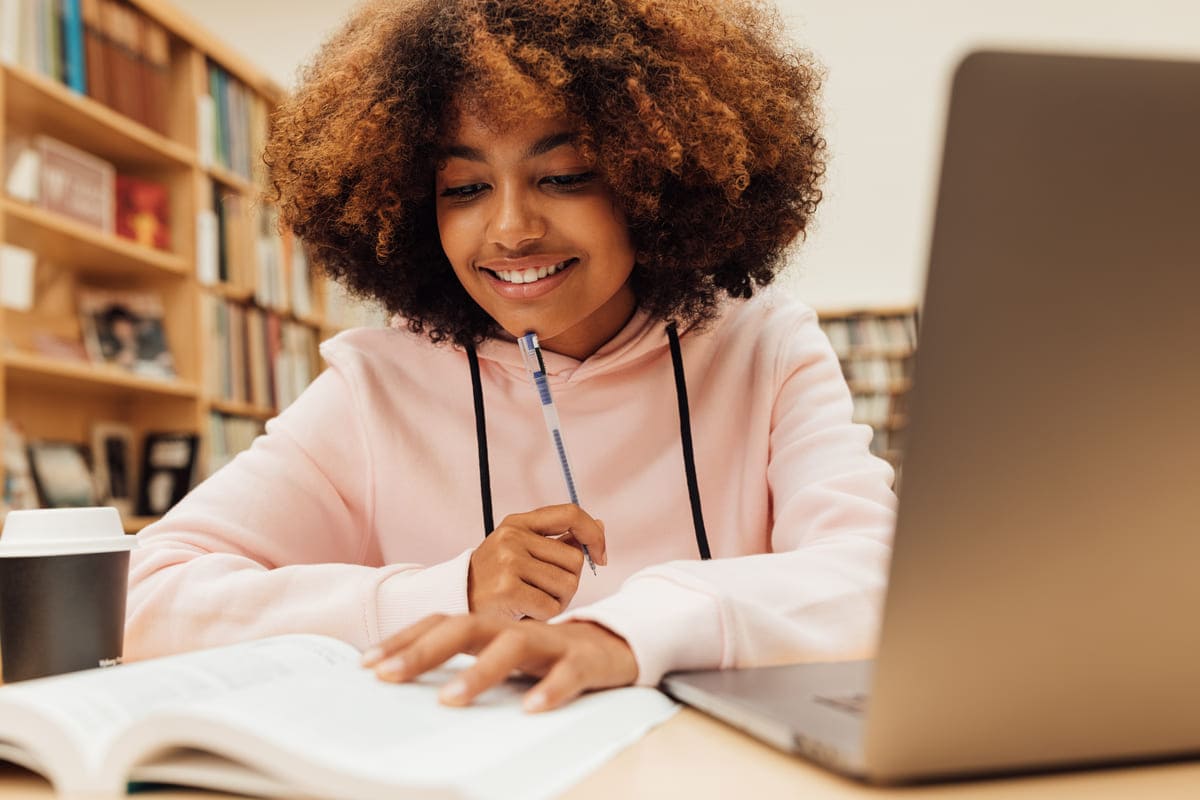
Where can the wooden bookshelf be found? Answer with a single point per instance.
(61, 398)
(877, 348)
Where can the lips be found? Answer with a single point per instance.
(531, 274)
(515, 280)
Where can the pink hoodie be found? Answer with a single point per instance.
(356, 514)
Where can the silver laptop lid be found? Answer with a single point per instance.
(1046, 579)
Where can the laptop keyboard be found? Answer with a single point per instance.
(855, 704)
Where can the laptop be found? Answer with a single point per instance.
(1042, 606)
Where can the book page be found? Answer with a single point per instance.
(88, 709)
(349, 734)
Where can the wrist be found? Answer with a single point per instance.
(618, 651)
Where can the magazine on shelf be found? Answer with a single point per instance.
(297, 715)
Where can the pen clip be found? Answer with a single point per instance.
(531, 352)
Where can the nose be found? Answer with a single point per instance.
(515, 219)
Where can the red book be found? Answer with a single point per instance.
(143, 212)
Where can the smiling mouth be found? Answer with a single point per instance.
(520, 276)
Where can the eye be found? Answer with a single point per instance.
(569, 182)
(464, 192)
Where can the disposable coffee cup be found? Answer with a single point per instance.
(63, 578)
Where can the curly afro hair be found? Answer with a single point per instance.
(700, 116)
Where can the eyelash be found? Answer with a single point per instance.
(562, 183)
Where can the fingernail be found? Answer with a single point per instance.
(454, 690)
(535, 701)
(392, 668)
(371, 656)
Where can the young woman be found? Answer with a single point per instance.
(619, 177)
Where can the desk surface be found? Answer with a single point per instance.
(695, 757)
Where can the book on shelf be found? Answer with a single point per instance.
(876, 350)
(233, 126)
(258, 357)
(296, 714)
(342, 310)
(231, 238)
(300, 277)
(143, 212)
(17, 267)
(124, 328)
(271, 267)
(95, 58)
(229, 435)
(10, 31)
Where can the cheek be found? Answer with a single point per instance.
(454, 235)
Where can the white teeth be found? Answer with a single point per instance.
(529, 275)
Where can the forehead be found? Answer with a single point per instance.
(483, 132)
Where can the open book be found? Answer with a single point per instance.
(297, 716)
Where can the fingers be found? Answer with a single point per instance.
(536, 604)
(573, 657)
(563, 553)
(436, 644)
(565, 681)
(401, 640)
(515, 648)
(565, 518)
(558, 583)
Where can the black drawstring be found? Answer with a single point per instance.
(485, 477)
(685, 435)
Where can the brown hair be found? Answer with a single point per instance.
(700, 116)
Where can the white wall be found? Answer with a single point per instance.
(888, 62)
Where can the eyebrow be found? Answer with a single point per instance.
(539, 148)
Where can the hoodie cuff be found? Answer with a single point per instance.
(410, 596)
(685, 632)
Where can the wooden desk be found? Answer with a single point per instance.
(694, 757)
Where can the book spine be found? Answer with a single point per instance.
(158, 52)
(143, 74)
(114, 66)
(214, 91)
(10, 30)
(73, 56)
(93, 50)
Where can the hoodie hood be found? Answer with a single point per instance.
(642, 337)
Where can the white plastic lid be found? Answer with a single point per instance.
(63, 532)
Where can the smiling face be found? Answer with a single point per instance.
(534, 235)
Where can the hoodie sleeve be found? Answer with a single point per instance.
(275, 543)
(818, 595)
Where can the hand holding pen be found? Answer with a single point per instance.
(531, 352)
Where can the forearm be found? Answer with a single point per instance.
(183, 599)
(820, 602)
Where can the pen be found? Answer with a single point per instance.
(532, 355)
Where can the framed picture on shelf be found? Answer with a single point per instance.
(114, 465)
(168, 462)
(125, 328)
(61, 474)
